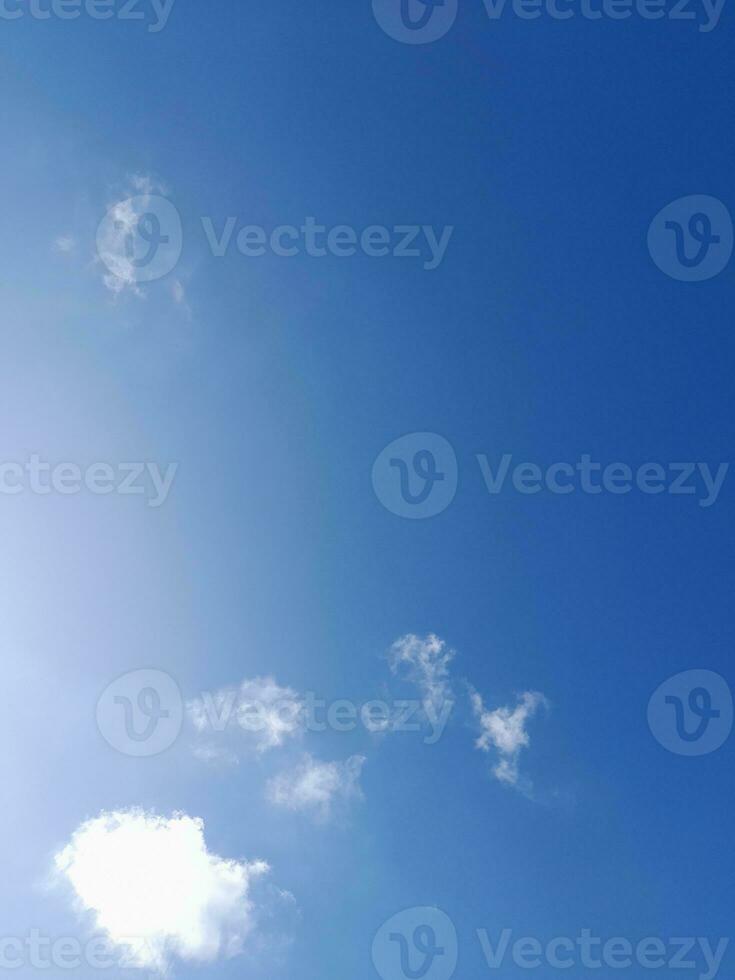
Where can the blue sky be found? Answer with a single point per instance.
(547, 331)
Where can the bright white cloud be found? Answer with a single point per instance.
(263, 714)
(317, 787)
(425, 661)
(155, 889)
(504, 730)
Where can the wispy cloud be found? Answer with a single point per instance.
(504, 732)
(64, 244)
(139, 238)
(258, 715)
(425, 661)
(317, 787)
(178, 292)
(156, 891)
(123, 219)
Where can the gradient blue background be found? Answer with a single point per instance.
(547, 332)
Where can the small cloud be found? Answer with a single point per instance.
(144, 184)
(155, 890)
(504, 730)
(113, 238)
(213, 755)
(425, 661)
(178, 292)
(258, 715)
(64, 244)
(139, 239)
(317, 787)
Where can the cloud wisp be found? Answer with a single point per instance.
(424, 661)
(504, 731)
(260, 714)
(317, 788)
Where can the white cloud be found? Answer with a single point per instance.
(504, 730)
(123, 219)
(426, 662)
(316, 787)
(263, 714)
(139, 239)
(155, 889)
